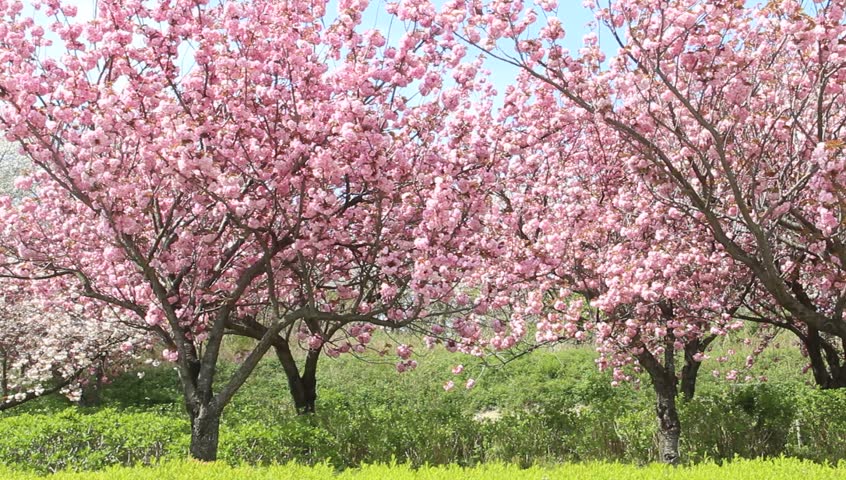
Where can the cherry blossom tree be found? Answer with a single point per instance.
(588, 256)
(48, 347)
(724, 115)
(734, 110)
(738, 110)
(239, 167)
(12, 165)
(759, 117)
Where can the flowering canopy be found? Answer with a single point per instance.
(285, 182)
(55, 346)
(712, 136)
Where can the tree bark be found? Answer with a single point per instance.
(690, 370)
(309, 379)
(303, 387)
(669, 425)
(826, 365)
(688, 381)
(663, 379)
(90, 396)
(205, 432)
(305, 397)
(4, 381)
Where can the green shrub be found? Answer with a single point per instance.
(545, 408)
(765, 420)
(155, 389)
(72, 440)
(373, 432)
(259, 444)
(819, 427)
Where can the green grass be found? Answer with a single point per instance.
(778, 469)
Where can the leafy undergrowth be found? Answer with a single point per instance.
(787, 469)
(547, 408)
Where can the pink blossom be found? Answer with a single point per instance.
(315, 342)
(403, 351)
(170, 355)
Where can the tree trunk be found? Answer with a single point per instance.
(688, 380)
(4, 381)
(309, 379)
(303, 387)
(90, 396)
(663, 378)
(205, 430)
(289, 365)
(669, 425)
(826, 363)
(690, 370)
(305, 397)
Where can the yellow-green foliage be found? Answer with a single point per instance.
(777, 469)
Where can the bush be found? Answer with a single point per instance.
(549, 407)
(375, 432)
(765, 420)
(819, 427)
(76, 441)
(259, 444)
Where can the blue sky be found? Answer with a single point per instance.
(574, 17)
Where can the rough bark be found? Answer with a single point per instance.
(303, 387)
(669, 425)
(203, 405)
(309, 379)
(690, 370)
(663, 377)
(826, 362)
(205, 432)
